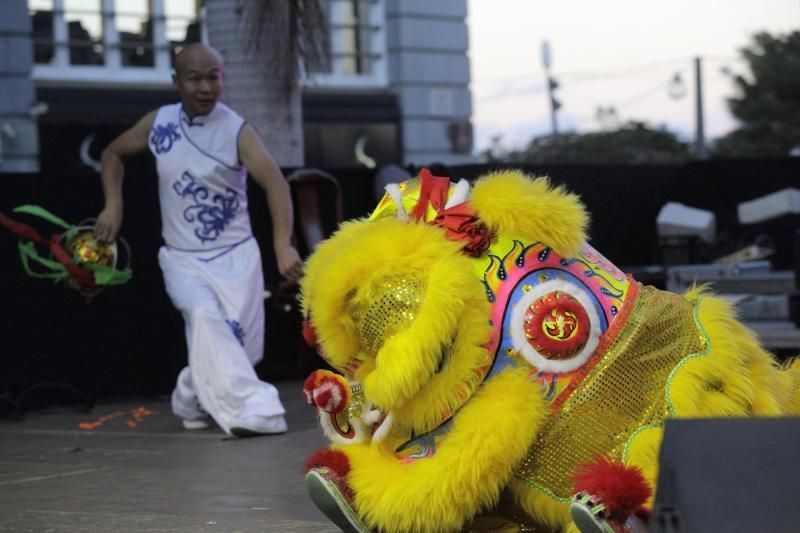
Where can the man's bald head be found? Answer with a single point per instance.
(197, 55)
(198, 78)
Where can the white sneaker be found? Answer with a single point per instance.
(193, 425)
(253, 426)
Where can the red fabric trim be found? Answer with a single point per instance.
(20, 229)
(433, 191)
(461, 222)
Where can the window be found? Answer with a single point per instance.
(356, 44)
(111, 41)
(41, 13)
(182, 24)
(84, 31)
(134, 25)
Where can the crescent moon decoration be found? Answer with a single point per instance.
(86, 159)
(361, 155)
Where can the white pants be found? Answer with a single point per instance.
(223, 309)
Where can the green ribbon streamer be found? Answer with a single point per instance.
(103, 275)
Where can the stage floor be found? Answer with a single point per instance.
(129, 466)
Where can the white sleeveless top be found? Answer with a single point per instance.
(202, 186)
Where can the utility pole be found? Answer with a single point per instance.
(700, 139)
(552, 85)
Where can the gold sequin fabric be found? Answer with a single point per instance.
(623, 392)
(353, 412)
(392, 311)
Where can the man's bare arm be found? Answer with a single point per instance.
(112, 171)
(259, 163)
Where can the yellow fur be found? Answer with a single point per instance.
(408, 360)
(792, 367)
(347, 268)
(352, 272)
(517, 205)
(546, 511)
(467, 473)
(335, 330)
(643, 453)
(447, 389)
(735, 376)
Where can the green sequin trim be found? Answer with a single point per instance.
(541, 489)
(680, 365)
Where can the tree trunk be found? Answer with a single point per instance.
(250, 86)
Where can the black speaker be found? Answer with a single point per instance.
(729, 475)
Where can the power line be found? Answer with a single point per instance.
(621, 72)
(510, 93)
(615, 72)
(642, 95)
(587, 73)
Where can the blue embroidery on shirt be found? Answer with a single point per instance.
(212, 218)
(190, 188)
(237, 330)
(164, 136)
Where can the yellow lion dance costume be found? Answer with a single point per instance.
(494, 365)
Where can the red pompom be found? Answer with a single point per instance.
(309, 335)
(326, 390)
(336, 461)
(622, 489)
(331, 395)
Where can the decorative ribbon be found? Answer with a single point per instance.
(88, 276)
(19, 229)
(433, 191)
(461, 222)
(77, 273)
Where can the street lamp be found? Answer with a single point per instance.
(607, 118)
(676, 88)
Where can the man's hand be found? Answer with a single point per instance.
(130, 142)
(106, 228)
(289, 263)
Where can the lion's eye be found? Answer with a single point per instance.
(392, 309)
(555, 326)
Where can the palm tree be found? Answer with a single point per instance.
(265, 45)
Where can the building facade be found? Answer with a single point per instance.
(19, 138)
(74, 73)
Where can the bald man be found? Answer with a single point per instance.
(210, 260)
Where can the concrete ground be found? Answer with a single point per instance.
(129, 466)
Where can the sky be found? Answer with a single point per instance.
(619, 54)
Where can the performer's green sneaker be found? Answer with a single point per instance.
(331, 499)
